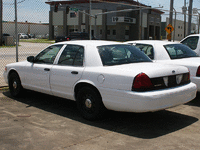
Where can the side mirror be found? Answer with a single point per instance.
(31, 59)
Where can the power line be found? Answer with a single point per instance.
(14, 3)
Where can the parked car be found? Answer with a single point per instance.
(31, 36)
(3, 38)
(172, 53)
(192, 41)
(23, 36)
(102, 75)
(74, 36)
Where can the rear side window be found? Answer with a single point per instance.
(147, 49)
(191, 42)
(72, 55)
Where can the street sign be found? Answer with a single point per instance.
(169, 28)
(195, 11)
(184, 9)
(74, 9)
(169, 36)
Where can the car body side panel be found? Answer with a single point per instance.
(37, 77)
(62, 80)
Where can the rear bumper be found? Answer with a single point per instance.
(196, 80)
(130, 101)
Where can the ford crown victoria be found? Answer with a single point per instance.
(101, 75)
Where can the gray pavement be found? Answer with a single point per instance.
(41, 122)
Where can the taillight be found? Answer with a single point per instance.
(68, 39)
(5, 69)
(142, 82)
(198, 72)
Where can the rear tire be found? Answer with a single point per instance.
(90, 104)
(15, 85)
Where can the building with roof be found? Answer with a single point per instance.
(141, 22)
(37, 29)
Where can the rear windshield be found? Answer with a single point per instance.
(121, 54)
(177, 51)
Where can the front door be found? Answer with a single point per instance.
(37, 74)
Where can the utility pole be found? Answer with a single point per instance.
(90, 20)
(1, 26)
(140, 23)
(189, 17)
(16, 32)
(185, 19)
(171, 14)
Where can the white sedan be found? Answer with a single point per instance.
(172, 53)
(102, 75)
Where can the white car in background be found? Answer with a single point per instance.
(23, 36)
(102, 75)
(171, 53)
(192, 41)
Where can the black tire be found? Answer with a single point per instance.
(90, 104)
(15, 86)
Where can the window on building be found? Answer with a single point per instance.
(108, 32)
(73, 30)
(126, 32)
(100, 31)
(72, 14)
(114, 32)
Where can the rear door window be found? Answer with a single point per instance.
(72, 55)
(147, 49)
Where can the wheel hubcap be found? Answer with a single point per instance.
(14, 84)
(88, 103)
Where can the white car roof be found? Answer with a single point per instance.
(152, 42)
(90, 42)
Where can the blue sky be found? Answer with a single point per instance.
(37, 10)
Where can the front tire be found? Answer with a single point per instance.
(89, 103)
(15, 85)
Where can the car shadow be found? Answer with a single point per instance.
(141, 125)
(196, 101)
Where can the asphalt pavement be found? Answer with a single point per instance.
(40, 122)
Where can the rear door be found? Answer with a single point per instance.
(68, 71)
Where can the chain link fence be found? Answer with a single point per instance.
(33, 29)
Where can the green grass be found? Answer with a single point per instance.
(37, 41)
(4, 88)
(7, 46)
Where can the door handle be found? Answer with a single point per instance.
(74, 72)
(46, 69)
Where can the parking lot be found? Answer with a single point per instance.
(38, 121)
